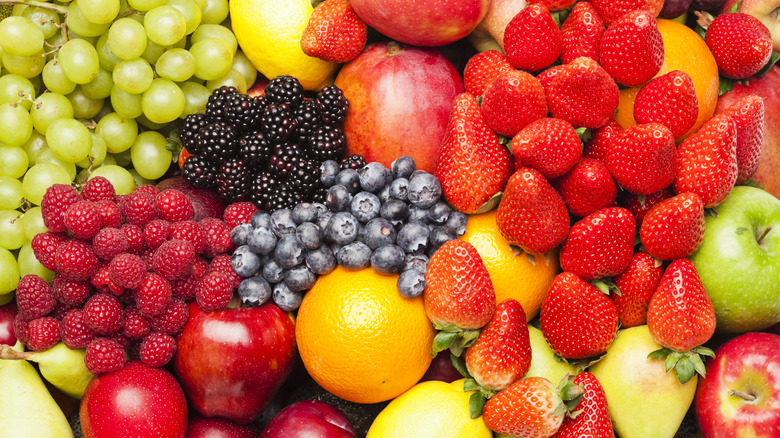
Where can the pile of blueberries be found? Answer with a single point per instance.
(390, 219)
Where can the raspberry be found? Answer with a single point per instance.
(76, 260)
(224, 265)
(157, 349)
(156, 232)
(74, 330)
(148, 189)
(61, 310)
(173, 259)
(172, 319)
(110, 214)
(139, 208)
(238, 213)
(136, 324)
(72, 293)
(98, 188)
(103, 314)
(34, 297)
(42, 333)
(104, 355)
(174, 206)
(102, 282)
(190, 231)
(135, 237)
(44, 246)
(184, 288)
(153, 295)
(55, 202)
(121, 339)
(200, 267)
(82, 220)
(146, 255)
(126, 297)
(127, 270)
(109, 242)
(20, 328)
(217, 237)
(213, 292)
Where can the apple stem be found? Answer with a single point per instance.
(743, 395)
(8, 353)
(393, 48)
(761, 237)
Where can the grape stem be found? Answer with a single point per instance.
(43, 5)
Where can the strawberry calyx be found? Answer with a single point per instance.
(481, 395)
(453, 338)
(490, 204)
(571, 395)
(686, 364)
(606, 286)
(517, 251)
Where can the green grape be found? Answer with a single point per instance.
(13, 161)
(83, 106)
(11, 232)
(215, 31)
(100, 88)
(55, 80)
(145, 5)
(10, 193)
(231, 79)
(154, 51)
(148, 124)
(200, 3)
(28, 264)
(18, 9)
(181, 44)
(127, 38)
(163, 102)
(48, 156)
(69, 139)
(133, 76)
(109, 161)
(77, 22)
(49, 107)
(32, 222)
(243, 65)
(99, 11)
(41, 176)
(119, 177)
(47, 21)
(37, 82)
(9, 272)
(123, 158)
(118, 132)
(27, 66)
(176, 64)
(196, 96)
(34, 146)
(21, 37)
(15, 88)
(191, 12)
(165, 25)
(126, 104)
(15, 124)
(97, 155)
(79, 60)
(90, 39)
(108, 60)
(213, 58)
(150, 156)
(214, 11)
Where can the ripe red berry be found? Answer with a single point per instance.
(104, 355)
(82, 220)
(110, 214)
(135, 237)
(34, 297)
(110, 242)
(157, 349)
(74, 330)
(42, 333)
(98, 188)
(184, 288)
(153, 295)
(238, 213)
(136, 324)
(103, 314)
(224, 265)
(148, 189)
(156, 232)
(20, 328)
(139, 208)
(172, 319)
(70, 292)
(55, 202)
(214, 291)
(173, 259)
(127, 270)
(217, 237)
(44, 246)
(190, 231)
(76, 260)
(174, 206)
(102, 281)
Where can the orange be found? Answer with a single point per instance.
(513, 276)
(684, 50)
(360, 339)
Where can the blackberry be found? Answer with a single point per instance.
(286, 158)
(327, 142)
(305, 177)
(188, 133)
(232, 180)
(284, 89)
(333, 104)
(277, 122)
(320, 194)
(286, 196)
(199, 172)
(263, 189)
(218, 141)
(355, 161)
(215, 106)
(254, 149)
(308, 117)
(243, 112)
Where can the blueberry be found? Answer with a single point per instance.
(379, 231)
(411, 283)
(338, 198)
(365, 206)
(320, 207)
(288, 252)
(417, 214)
(308, 235)
(373, 176)
(415, 173)
(439, 236)
(384, 194)
(342, 228)
(354, 256)
(286, 299)
(328, 171)
(439, 213)
(322, 221)
(335, 248)
(457, 222)
(260, 219)
(245, 262)
(282, 222)
(320, 260)
(262, 241)
(254, 291)
(424, 190)
(272, 272)
(418, 262)
(240, 233)
(403, 166)
(304, 212)
(399, 189)
(388, 259)
(395, 211)
(350, 179)
(299, 278)
(413, 237)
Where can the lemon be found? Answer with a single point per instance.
(269, 32)
(429, 409)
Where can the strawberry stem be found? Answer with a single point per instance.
(743, 395)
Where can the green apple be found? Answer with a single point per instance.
(739, 261)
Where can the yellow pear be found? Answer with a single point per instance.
(61, 366)
(543, 360)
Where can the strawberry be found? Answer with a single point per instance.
(639, 205)
(670, 100)
(591, 418)
(583, 94)
(473, 166)
(547, 75)
(334, 32)
(707, 161)
(643, 158)
(748, 117)
(512, 101)
(681, 318)
(577, 320)
(582, 32)
(631, 49)
(555, 5)
(596, 147)
(548, 145)
(587, 187)
(502, 353)
(482, 68)
(531, 213)
(674, 228)
(611, 10)
(740, 43)
(636, 286)
(532, 40)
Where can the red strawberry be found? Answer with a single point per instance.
(707, 161)
(587, 187)
(334, 32)
(639, 205)
(611, 10)
(502, 353)
(555, 5)
(740, 43)
(636, 285)
(532, 214)
(674, 228)
(546, 76)
(548, 145)
(473, 166)
(582, 32)
(632, 50)
(532, 40)
(577, 319)
(583, 94)
(512, 101)
(482, 69)
(670, 100)
(643, 158)
(532, 407)
(592, 413)
(748, 117)
(597, 146)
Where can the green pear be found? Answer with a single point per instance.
(544, 363)
(61, 366)
(27, 410)
(644, 400)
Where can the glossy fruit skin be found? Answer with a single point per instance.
(137, 401)
(741, 44)
(309, 418)
(749, 116)
(594, 418)
(637, 285)
(7, 315)
(252, 349)
(206, 203)
(631, 49)
(200, 427)
(674, 228)
(526, 409)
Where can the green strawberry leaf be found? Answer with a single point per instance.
(470, 385)
(735, 7)
(476, 405)
(442, 341)
(672, 360)
(772, 61)
(490, 204)
(725, 86)
(698, 364)
(449, 328)
(504, 140)
(459, 365)
(684, 370)
(659, 354)
(704, 351)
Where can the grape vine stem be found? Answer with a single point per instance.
(47, 6)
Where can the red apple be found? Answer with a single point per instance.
(137, 401)
(205, 202)
(200, 427)
(441, 368)
(7, 315)
(740, 396)
(231, 362)
(309, 419)
(766, 11)
(400, 98)
(258, 89)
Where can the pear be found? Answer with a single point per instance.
(544, 363)
(27, 410)
(644, 400)
(61, 366)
